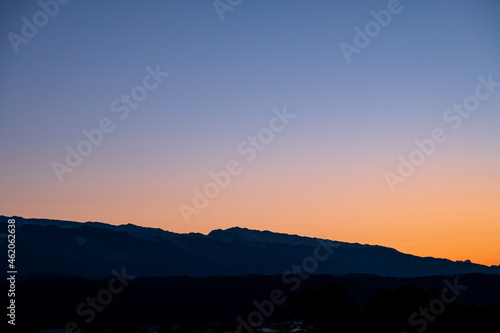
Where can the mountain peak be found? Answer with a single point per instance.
(251, 236)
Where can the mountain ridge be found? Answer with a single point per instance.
(129, 227)
(92, 249)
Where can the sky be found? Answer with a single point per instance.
(361, 121)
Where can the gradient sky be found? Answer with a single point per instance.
(322, 176)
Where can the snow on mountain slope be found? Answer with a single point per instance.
(255, 236)
(150, 234)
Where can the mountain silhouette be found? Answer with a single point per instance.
(93, 249)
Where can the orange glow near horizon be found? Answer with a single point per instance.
(427, 217)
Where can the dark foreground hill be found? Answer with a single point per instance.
(353, 303)
(92, 250)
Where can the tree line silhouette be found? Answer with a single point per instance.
(360, 303)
